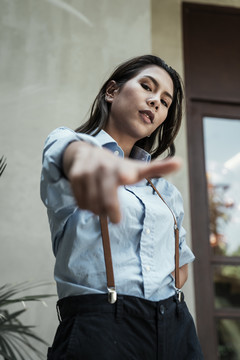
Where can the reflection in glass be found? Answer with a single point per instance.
(227, 286)
(228, 339)
(222, 159)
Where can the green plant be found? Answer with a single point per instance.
(15, 337)
(3, 165)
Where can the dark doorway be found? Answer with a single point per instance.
(212, 74)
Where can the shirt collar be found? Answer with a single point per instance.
(108, 142)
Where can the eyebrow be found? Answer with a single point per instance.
(157, 85)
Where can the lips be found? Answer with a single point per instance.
(148, 114)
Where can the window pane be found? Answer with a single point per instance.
(227, 286)
(228, 339)
(222, 159)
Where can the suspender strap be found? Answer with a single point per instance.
(112, 294)
(176, 233)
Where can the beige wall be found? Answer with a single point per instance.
(54, 54)
(167, 43)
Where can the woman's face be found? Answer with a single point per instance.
(140, 106)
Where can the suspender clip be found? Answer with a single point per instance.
(179, 295)
(112, 295)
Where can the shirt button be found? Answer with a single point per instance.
(148, 231)
(116, 153)
(148, 268)
(162, 309)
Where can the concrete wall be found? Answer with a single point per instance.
(167, 43)
(54, 54)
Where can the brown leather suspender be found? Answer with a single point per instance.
(112, 294)
(176, 233)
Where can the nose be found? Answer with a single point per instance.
(154, 102)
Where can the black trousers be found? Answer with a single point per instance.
(132, 329)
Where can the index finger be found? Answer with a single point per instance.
(157, 168)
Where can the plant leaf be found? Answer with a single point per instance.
(3, 164)
(7, 350)
(15, 337)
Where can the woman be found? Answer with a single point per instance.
(101, 169)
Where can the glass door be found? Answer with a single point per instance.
(221, 138)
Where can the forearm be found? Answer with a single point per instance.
(95, 174)
(183, 274)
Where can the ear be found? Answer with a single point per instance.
(111, 91)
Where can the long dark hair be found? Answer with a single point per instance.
(162, 139)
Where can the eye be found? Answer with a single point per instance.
(164, 103)
(146, 87)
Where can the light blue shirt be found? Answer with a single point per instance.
(142, 243)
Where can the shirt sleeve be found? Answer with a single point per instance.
(55, 189)
(185, 254)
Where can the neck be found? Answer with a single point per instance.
(125, 142)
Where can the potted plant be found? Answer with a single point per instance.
(16, 338)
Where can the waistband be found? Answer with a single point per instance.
(125, 304)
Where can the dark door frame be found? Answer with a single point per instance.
(206, 314)
(206, 96)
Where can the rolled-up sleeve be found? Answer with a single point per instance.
(185, 254)
(55, 189)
